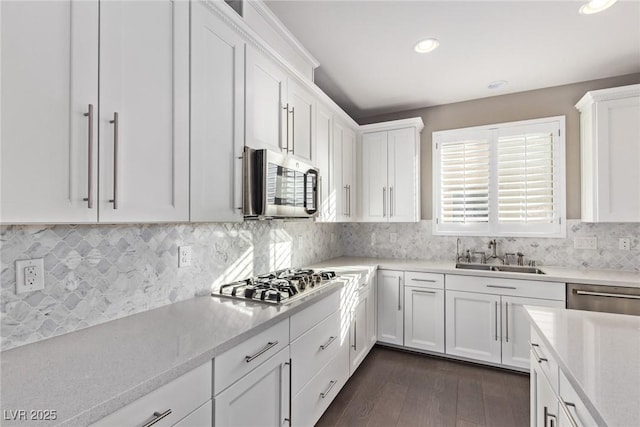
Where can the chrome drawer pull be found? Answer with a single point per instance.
(501, 287)
(116, 142)
(535, 353)
(326, 392)
(565, 408)
(157, 416)
(423, 292)
(328, 343)
(423, 280)
(266, 348)
(606, 294)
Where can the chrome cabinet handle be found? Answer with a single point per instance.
(355, 333)
(349, 199)
(157, 416)
(501, 287)
(496, 319)
(326, 392)
(565, 408)
(286, 131)
(390, 202)
(266, 348)
(116, 130)
(346, 200)
(535, 353)
(423, 292)
(606, 294)
(399, 294)
(89, 198)
(548, 415)
(290, 364)
(384, 202)
(423, 280)
(293, 130)
(506, 312)
(328, 343)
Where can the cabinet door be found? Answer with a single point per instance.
(390, 314)
(516, 329)
(348, 172)
(359, 333)
(404, 174)
(49, 79)
(265, 111)
(618, 155)
(322, 160)
(217, 118)
(375, 192)
(260, 398)
(544, 404)
(301, 109)
(372, 319)
(424, 318)
(144, 111)
(337, 187)
(473, 325)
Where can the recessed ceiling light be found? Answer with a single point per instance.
(426, 45)
(497, 84)
(595, 6)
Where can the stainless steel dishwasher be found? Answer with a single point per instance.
(609, 299)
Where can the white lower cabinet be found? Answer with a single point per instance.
(201, 417)
(359, 335)
(260, 398)
(390, 302)
(168, 404)
(485, 318)
(544, 405)
(424, 311)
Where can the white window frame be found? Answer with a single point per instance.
(493, 228)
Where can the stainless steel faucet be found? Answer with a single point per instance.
(493, 245)
(520, 258)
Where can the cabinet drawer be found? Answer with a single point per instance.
(309, 317)
(201, 417)
(309, 405)
(423, 280)
(544, 359)
(313, 350)
(513, 287)
(235, 363)
(180, 397)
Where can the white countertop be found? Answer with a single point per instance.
(86, 375)
(552, 274)
(599, 353)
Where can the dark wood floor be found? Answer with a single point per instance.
(395, 388)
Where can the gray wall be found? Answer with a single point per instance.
(554, 101)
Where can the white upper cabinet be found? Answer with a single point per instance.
(322, 160)
(391, 171)
(301, 118)
(342, 186)
(49, 140)
(217, 117)
(610, 154)
(141, 116)
(144, 111)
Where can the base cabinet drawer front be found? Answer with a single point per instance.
(201, 417)
(167, 404)
(540, 353)
(424, 280)
(473, 326)
(235, 363)
(260, 398)
(575, 408)
(306, 319)
(512, 287)
(424, 318)
(309, 405)
(314, 349)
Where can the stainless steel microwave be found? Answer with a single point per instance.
(277, 186)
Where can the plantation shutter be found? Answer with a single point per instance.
(464, 181)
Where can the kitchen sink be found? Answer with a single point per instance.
(503, 268)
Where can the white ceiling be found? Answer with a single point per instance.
(368, 65)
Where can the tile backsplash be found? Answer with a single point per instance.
(96, 273)
(415, 241)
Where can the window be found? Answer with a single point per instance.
(500, 180)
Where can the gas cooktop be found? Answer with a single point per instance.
(279, 287)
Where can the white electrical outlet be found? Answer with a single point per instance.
(393, 237)
(625, 243)
(585, 243)
(29, 275)
(184, 256)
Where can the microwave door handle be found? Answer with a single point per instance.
(314, 188)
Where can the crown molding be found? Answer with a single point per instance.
(415, 122)
(608, 94)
